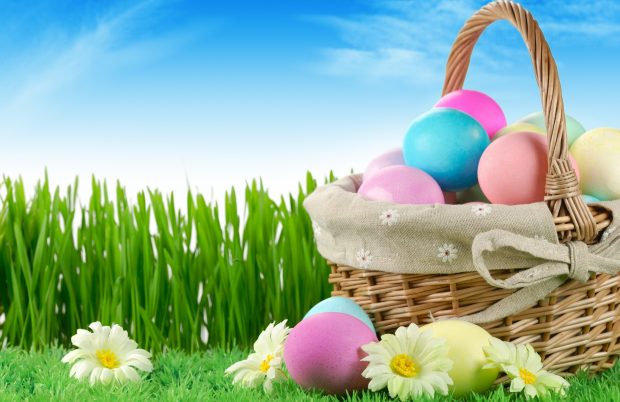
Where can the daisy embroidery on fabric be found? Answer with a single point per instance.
(447, 253)
(481, 209)
(364, 258)
(316, 228)
(608, 232)
(389, 217)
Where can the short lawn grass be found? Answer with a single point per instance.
(178, 376)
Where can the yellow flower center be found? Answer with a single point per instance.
(527, 376)
(404, 366)
(264, 365)
(107, 358)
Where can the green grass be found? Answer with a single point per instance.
(177, 376)
(163, 275)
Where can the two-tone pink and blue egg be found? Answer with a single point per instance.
(324, 350)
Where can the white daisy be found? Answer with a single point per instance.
(364, 258)
(481, 209)
(264, 365)
(410, 363)
(525, 369)
(316, 228)
(499, 352)
(447, 253)
(608, 232)
(106, 354)
(389, 217)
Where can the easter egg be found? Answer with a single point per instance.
(447, 144)
(588, 199)
(465, 341)
(519, 127)
(389, 158)
(513, 169)
(472, 194)
(449, 197)
(324, 352)
(574, 129)
(479, 106)
(598, 154)
(342, 305)
(401, 185)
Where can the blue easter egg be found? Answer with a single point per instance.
(588, 199)
(341, 305)
(446, 144)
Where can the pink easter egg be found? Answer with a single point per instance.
(513, 169)
(390, 158)
(324, 352)
(401, 185)
(449, 197)
(479, 106)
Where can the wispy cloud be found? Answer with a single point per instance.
(396, 40)
(108, 40)
(410, 40)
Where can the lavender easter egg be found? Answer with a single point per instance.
(574, 129)
(324, 352)
(513, 169)
(344, 305)
(393, 157)
(479, 106)
(401, 185)
(446, 144)
(598, 154)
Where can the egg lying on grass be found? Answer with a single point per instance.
(324, 352)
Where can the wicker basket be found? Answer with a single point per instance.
(575, 327)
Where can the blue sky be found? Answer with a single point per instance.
(174, 93)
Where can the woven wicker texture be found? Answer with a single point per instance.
(578, 325)
(562, 187)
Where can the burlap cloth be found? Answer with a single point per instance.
(447, 239)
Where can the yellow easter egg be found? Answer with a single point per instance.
(597, 153)
(465, 341)
(518, 128)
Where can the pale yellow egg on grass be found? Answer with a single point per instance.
(465, 341)
(519, 127)
(597, 153)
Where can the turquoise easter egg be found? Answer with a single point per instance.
(446, 144)
(574, 129)
(341, 305)
(588, 199)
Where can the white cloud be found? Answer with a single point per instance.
(80, 53)
(410, 40)
(91, 47)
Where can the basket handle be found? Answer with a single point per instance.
(562, 191)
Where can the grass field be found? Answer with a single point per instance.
(39, 376)
(166, 276)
